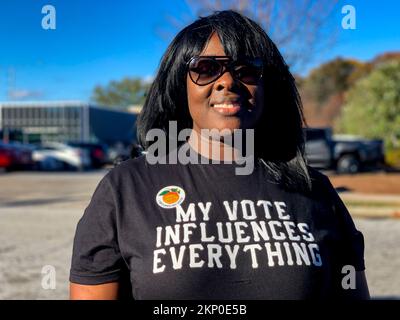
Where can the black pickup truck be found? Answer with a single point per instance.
(345, 154)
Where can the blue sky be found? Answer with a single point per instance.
(98, 41)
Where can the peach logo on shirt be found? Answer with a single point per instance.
(170, 197)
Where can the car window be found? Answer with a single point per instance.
(47, 148)
(315, 135)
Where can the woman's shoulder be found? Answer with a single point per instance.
(140, 167)
(317, 175)
(127, 169)
(321, 185)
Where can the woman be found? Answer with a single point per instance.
(174, 230)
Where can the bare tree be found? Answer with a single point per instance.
(301, 28)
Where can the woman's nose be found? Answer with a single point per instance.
(226, 81)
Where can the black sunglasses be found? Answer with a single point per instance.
(206, 69)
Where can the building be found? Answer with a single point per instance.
(40, 121)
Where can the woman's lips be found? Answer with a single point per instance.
(227, 109)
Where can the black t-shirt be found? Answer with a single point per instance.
(199, 231)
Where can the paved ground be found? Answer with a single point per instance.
(39, 212)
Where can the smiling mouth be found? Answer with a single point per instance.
(227, 109)
(231, 108)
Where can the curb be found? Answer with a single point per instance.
(377, 206)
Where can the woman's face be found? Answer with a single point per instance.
(209, 104)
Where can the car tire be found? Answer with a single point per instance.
(349, 164)
(51, 164)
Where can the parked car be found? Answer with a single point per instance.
(60, 156)
(118, 152)
(15, 156)
(98, 152)
(6, 156)
(345, 154)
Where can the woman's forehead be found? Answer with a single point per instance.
(213, 46)
(229, 45)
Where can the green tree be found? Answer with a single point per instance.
(332, 78)
(121, 94)
(372, 106)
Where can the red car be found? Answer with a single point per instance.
(15, 155)
(6, 156)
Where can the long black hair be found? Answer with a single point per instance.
(279, 140)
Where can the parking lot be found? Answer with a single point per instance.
(39, 212)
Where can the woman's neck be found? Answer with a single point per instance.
(211, 148)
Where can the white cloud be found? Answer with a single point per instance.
(24, 94)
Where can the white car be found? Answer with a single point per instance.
(57, 156)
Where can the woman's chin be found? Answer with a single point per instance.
(227, 124)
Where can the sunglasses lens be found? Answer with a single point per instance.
(203, 70)
(248, 74)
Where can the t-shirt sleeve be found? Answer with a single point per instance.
(351, 248)
(96, 257)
